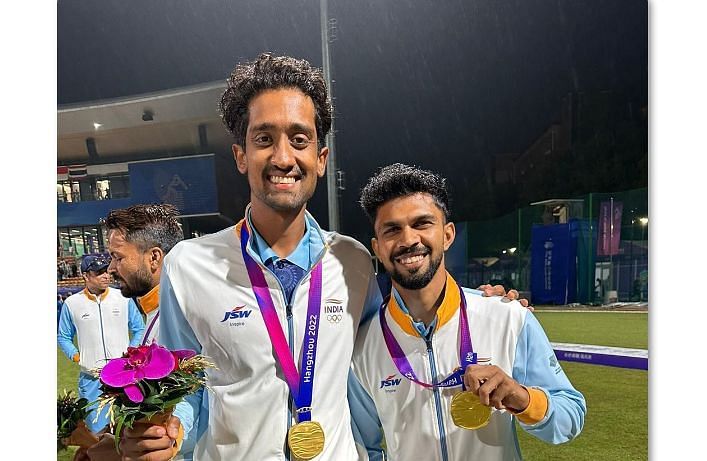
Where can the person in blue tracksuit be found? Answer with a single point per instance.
(103, 321)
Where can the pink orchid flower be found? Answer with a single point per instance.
(142, 362)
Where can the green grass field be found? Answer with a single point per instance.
(618, 329)
(616, 426)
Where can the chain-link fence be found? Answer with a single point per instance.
(606, 257)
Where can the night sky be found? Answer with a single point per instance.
(442, 84)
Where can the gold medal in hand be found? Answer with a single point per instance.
(468, 412)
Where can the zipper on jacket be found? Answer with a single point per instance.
(103, 339)
(438, 403)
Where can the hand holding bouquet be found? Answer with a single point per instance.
(71, 428)
(146, 383)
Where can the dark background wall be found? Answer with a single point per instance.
(450, 85)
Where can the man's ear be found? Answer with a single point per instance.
(239, 157)
(156, 255)
(374, 245)
(321, 161)
(449, 233)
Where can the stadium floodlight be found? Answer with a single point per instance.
(512, 250)
(644, 221)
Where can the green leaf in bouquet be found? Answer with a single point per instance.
(117, 432)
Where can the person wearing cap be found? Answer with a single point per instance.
(104, 321)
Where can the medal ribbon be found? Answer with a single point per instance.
(467, 355)
(300, 384)
(149, 329)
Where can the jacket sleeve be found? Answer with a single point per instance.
(536, 366)
(136, 325)
(365, 423)
(67, 331)
(175, 333)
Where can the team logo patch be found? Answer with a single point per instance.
(86, 315)
(391, 383)
(333, 310)
(237, 313)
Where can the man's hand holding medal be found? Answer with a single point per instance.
(495, 388)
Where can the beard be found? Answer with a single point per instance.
(415, 280)
(139, 283)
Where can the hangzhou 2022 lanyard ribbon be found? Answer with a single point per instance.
(306, 438)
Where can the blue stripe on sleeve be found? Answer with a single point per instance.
(367, 428)
(67, 331)
(175, 333)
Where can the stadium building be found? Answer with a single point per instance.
(165, 147)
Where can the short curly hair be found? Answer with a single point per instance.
(400, 180)
(147, 226)
(268, 73)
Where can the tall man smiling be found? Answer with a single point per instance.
(255, 297)
(432, 336)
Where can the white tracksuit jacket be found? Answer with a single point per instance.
(101, 325)
(416, 420)
(207, 304)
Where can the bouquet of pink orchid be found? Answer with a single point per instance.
(147, 382)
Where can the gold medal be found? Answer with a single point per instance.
(306, 440)
(468, 412)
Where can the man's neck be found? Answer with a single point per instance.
(423, 303)
(149, 301)
(95, 291)
(155, 277)
(281, 230)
